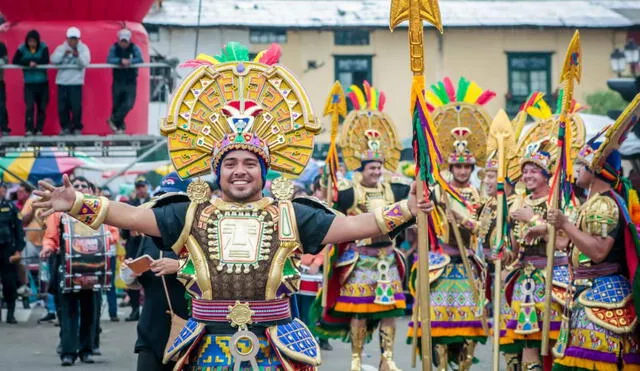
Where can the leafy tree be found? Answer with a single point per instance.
(603, 101)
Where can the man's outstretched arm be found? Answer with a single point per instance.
(373, 224)
(118, 214)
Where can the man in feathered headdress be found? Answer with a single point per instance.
(371, 270)
(525, 282)
(238, 118)
(458, 317)
(600, 333)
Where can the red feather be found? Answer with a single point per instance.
(195, 63)
(485, 97)
(367, 93)
(532, 99)
(354, 100)
(381, 101)
(451, 91)
(272, 55)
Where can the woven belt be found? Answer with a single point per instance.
(540, 262)
(595, 271)
(262, 310)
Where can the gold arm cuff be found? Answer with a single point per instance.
(77, 203)
(89, 210)
(392, 216)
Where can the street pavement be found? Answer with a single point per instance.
(29, 346)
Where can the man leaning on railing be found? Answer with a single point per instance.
(75, 53)
(123, 53)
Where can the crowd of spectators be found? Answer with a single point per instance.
(71, 58)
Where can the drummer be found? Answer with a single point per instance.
(74, 343)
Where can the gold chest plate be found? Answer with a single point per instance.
(239, 240)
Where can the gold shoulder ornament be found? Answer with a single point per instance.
(599, 216)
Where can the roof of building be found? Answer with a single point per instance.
(629, 9)
(375, 13)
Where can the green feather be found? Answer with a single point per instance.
(463, 86)
(233, 52)
(441, 92)
(559, 102)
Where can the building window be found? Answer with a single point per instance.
(353, 70)
(268, 36)
(528, 73)
(153, 31)
(351, 37)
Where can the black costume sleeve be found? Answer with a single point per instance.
(313, 225)
(400, 191)
(171, 221)
(345, 200)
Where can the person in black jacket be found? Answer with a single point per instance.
(123, 53)
(11, 244)
(155, 323)
(36, 85)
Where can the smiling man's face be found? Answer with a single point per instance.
(241, 177)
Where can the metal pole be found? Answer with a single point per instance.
(140, 158)
(195, 52)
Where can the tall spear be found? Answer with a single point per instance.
(424, 148)
(502, 140)
(571, 73)
(336, 107)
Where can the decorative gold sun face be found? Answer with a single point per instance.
(239, 96)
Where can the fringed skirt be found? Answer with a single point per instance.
(358, 293)
(455, 316)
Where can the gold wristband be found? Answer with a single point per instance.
(89, 210)
(392, 216)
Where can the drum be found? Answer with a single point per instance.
(87, 259)
(310, 284)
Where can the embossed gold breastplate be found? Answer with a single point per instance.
(536, 246)
(237, 252)
(368, 199)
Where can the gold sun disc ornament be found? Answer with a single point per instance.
(199, 191)
(245, 97)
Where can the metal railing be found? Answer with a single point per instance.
(90, 66)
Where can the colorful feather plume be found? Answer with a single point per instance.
(444, 92)
(371, 99)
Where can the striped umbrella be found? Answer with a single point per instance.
(49, 164)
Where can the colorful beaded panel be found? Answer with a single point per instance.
(295, 341)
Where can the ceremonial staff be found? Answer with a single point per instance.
(336, 106)
(502, 141)
(424, 148)
(571, 73)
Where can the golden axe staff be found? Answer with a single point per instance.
(336, 107)
(571, 73)
(502, 141)
(415, 12)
